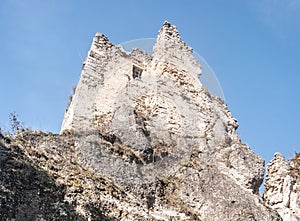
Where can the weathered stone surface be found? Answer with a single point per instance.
(142, 139)
(282, 188)
(43, 178)
(149, 123)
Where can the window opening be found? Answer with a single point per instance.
(136, 72)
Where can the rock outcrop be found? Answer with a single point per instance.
(282, 187)
(141, 139)
(147, 123)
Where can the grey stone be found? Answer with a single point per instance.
(147, 123)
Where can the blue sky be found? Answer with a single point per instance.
(253, 47)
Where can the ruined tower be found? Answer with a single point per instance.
(108, 69)
(145, 122)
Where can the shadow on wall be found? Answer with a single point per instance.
(28, 193)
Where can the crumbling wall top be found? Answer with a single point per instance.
(101, 42)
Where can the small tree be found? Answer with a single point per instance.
(15, 125)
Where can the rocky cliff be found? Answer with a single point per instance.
(282, 187)
(141, 139)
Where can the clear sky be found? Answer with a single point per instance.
(253, 47)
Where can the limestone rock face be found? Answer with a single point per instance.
(282, 187)
(142, 139)
(147, 123)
